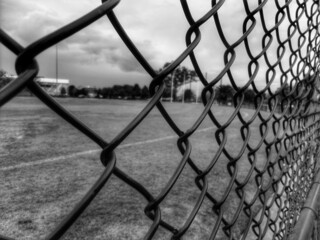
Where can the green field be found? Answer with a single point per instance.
(46, 166)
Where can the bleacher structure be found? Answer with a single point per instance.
(53, 86)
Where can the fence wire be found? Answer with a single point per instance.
(288, 128)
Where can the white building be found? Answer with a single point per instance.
(53, 86)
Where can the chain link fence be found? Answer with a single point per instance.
(282, 164)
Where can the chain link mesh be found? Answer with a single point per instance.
(288, 128)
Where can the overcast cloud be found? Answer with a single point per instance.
(97, 56)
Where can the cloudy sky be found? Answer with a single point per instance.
(96, 55)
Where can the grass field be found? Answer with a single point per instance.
(46, 166)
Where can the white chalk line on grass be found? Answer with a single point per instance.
(55, 159)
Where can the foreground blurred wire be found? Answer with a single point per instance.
(292, 118)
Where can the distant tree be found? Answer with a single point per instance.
(4, 79)
(249, 95)
(2, 73)
(82, 92)
(63, 92)
(145, 94)
(189, 95)
(166, 93)
(283, 92)
(224, 93)
(98, 92)
(106, 92)
(128, 91)
(118, 91)
(136, 91)
(180, 76)
(90, 92)
(192, 75)
(85, 91)
(73, 91)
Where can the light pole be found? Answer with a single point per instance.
(197, 91)
(56, 63)
(172, 79)
(184, 85)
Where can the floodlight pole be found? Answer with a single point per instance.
(197, 91)
(56, 63)
(172, 79)
(190, 80)
(184, 85)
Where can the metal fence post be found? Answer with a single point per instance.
(305, 225)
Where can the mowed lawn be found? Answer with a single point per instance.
(46, 166)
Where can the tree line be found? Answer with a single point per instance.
(181, 75)
(223, 93)
(126, 91)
